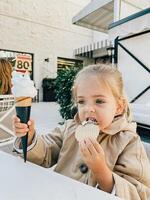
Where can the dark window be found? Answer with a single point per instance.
(63, 63)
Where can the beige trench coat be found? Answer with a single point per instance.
(125, 156)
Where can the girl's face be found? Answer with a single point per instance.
(95, 102)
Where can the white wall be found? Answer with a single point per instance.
(125, 8)
(43, 28)
(98, 36)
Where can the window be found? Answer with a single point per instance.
(63, 63)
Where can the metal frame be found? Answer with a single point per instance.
(143, 125)
(117, 43)
(129, 18)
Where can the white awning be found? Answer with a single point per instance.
(97, 15)
(98, 49)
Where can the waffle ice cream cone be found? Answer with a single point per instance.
(23, 108)
(87, 130)
(23, 101)
(23, 90)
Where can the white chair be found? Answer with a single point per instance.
(7, 110)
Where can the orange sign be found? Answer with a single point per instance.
(23, 63)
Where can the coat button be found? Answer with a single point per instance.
(83, 168)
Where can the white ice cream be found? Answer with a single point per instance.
(87, 130)
(23, 86)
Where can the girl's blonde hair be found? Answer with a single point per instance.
(5, 76)
(111, 76)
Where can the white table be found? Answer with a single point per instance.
(27, 181)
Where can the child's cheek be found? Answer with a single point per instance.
(81, 115)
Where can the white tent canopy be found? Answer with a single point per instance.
(97, 15)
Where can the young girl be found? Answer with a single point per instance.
(116, 162)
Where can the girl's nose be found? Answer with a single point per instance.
(90, 109)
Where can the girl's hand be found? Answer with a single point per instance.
(94, 156)
(21, 129)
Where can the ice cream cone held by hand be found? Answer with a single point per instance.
(23, 89)
(23, 101)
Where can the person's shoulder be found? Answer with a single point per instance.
(71, 124)
(128, 135)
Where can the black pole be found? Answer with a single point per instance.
(116, 50)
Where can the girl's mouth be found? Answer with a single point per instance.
(90, 120)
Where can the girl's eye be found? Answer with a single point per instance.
(80, 102)
(99, 101)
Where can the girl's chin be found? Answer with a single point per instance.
(105, 127)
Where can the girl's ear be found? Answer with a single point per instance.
(121, 105)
